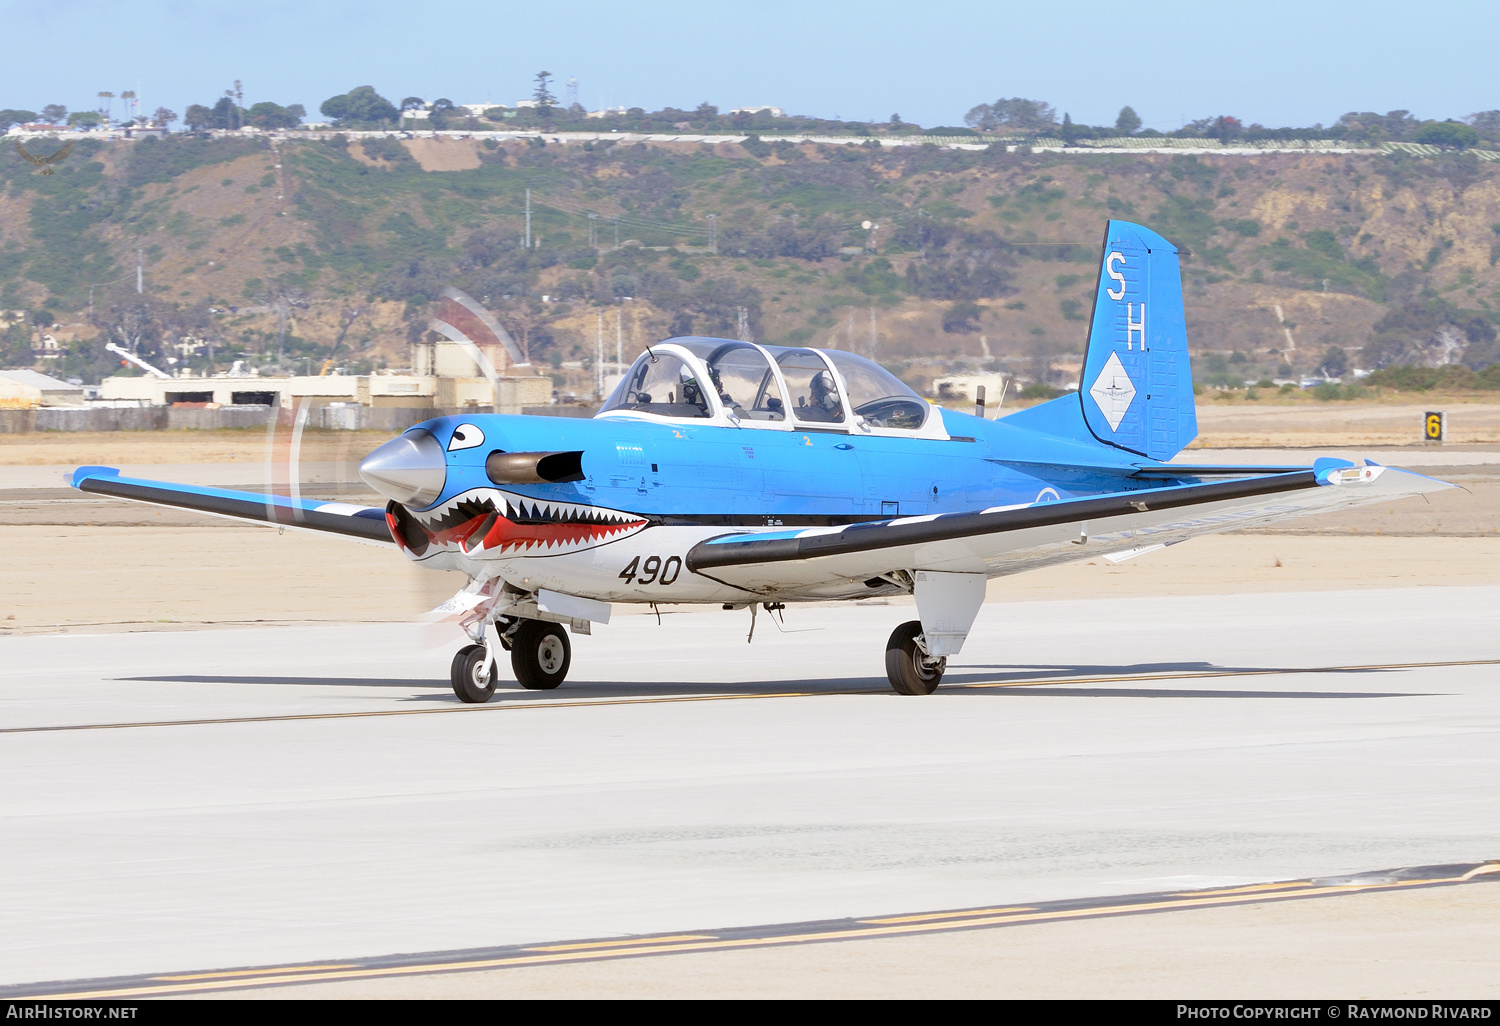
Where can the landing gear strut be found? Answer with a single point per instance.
(911, 670)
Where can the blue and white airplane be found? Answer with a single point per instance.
(738, 474)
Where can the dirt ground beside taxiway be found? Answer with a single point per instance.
(1236, 424)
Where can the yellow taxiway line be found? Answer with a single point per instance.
(772, 936)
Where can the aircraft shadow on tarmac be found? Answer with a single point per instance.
(996, 680)
(334, 682)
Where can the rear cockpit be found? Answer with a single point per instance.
(741, 384)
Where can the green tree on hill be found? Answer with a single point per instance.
(226, 115)
(1129, 122)
(273, 115)
(440, 111)
(1486, 123)
(360, 105)
(546, 103)
(197, 118)
(1015, 114)
(15, 117)
(1452, 134)
(1335, 362)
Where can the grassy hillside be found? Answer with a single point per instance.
(980, 255)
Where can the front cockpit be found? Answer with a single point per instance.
(742, 384)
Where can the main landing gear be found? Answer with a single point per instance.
(540, 655)
(911, 670)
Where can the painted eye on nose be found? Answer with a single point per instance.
(465, 436)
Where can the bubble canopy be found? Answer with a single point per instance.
(766, 386)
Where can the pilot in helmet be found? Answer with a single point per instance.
(825, 394)
(692, 392)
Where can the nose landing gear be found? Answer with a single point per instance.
(910, 669)
(473, 675)
(540, 655)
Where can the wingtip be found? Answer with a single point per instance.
(84, 473)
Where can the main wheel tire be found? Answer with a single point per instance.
(910, 670)
(473, 677)
(540, 655)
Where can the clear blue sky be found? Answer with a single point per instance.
(1273, 61)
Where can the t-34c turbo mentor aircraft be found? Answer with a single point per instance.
(728, 472)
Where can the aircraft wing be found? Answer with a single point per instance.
(365, 523)
(1007, 540)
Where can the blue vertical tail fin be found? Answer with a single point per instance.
(1137, 386)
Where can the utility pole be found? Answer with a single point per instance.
(617, 233)
(618, 339)
(139, 282)
(528, 218)
(593, 232)
(95, 285)
(599, 354)
(713, 233)
(874, 342)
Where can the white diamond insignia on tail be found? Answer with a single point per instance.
(1113, 390)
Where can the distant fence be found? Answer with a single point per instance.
(559, 411)
(1146, 145)
(332, 417)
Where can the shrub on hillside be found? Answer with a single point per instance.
(1455, 377)
(1039, 390)
(161, 160)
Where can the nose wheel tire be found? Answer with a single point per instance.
(540, 655)
(911, 670)
(473, 677)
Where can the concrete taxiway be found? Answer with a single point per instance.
(191, 801)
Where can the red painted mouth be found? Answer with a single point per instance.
(482, 521)
(494, 533)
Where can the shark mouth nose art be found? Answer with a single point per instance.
(485, 521)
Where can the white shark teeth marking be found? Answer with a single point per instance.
(465, 506)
